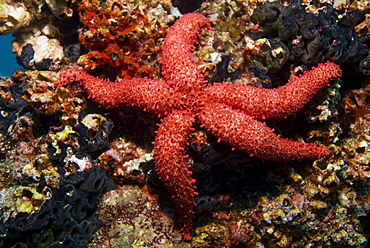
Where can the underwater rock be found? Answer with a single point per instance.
(53, 139)
(134, 219)
(38, 52)
(90, 136)
(313, 34)
(13, 16)
(11, 104)
(68, 216)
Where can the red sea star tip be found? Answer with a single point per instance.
(229, 111)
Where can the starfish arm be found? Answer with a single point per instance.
(148, 94)
(178, 65)
(172, 165)
(251, 136)
(275, 103)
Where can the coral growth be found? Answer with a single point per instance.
(133, 219)
(48, 200)
(45, 32)
(41, 94)
(13, 16)
(123, 36)
(309, 34)
(68, 218)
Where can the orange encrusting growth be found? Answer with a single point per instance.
(120, 36)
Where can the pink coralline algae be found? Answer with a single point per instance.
(230, 112)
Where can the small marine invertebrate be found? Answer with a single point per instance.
(46, 36)
(29, 200)
(15, 15)
(275, 54)
(122, 162)
(37, 51)
(228, 111)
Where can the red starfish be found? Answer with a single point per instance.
(228, 111)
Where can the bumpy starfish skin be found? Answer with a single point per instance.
(173, 166)
(253, 137)
(230, 112)
(274, 103)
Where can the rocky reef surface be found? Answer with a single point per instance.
(76, 174)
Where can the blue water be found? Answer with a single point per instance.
(8, 63)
